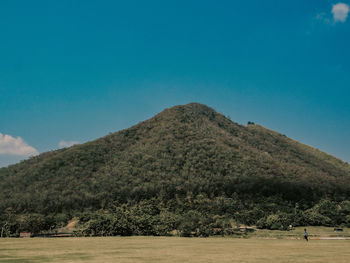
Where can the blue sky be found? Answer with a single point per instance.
(73, 71)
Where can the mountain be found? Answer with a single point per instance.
(186, 158)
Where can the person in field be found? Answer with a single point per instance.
(306, 235)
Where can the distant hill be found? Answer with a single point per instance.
(186, 159)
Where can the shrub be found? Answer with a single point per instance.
(280, 221)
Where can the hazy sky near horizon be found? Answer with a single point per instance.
(72, 71)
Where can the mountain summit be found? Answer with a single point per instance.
(183, 154)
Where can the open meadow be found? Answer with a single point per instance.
(172, 249)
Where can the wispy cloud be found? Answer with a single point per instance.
(64, 144)
(340, 12)
(324, 18)
(15, 146)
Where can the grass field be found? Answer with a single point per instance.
(172, 249)
(315, 232)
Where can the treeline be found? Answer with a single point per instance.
(147, 218)
(198, 216)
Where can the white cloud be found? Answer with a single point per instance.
(64, 144)
(340, 12)
(15, 146)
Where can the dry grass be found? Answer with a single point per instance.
(172, 249)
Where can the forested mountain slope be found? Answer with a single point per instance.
(186, 158)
